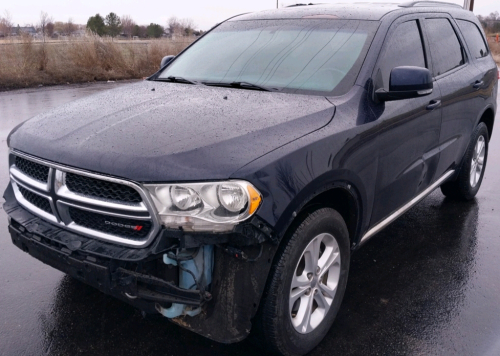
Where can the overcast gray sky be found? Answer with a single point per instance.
(204, 13)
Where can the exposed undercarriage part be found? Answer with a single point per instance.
(195, 272)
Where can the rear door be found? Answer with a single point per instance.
(457, 79)
(408, 130)
(479, 53)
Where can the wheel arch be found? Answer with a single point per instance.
(488, 118)
(345, 194)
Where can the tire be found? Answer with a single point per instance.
(323, 228)
(467, 183)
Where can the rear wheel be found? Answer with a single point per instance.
(470, 177)
(307, 284)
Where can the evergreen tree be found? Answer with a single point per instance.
(96, 25)
(154, 30)
(113, 24)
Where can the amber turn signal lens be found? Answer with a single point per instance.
(255, 199)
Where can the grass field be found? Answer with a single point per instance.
(26, 63)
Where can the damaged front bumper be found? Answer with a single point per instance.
(218, 305)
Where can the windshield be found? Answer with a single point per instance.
(300, 56)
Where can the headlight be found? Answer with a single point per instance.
(216, 206)
(184, 198)
(232, 197)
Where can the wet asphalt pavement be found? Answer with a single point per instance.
(427, 285)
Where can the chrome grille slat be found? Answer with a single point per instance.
(128, 228)
(100, 189)
(102, 216)
(37, 200)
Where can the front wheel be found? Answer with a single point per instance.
(307, 284)
(470, 177)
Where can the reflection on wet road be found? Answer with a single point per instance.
(427, 285)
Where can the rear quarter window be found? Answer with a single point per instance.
(446, 50)
(474, 38)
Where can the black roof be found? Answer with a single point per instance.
(347, 11)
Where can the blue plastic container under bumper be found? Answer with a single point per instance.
(201, 265)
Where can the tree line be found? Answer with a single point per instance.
(45, 26)
(113, 25)
(491, 23)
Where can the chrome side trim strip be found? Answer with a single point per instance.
(380, 226)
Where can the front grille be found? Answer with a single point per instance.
(101, 189)
(81, 203)
(128, 228)
(34, 170)
(35, 199)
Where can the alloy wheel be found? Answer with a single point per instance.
(314, 283)
(477, 163)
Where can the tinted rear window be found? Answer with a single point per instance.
(446, 51)
(474, 38)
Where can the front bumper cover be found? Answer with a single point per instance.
(234, 295)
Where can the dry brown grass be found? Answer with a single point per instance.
(495, 48)
(25, 63)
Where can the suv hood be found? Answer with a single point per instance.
(159, 132)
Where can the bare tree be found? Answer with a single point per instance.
(180, 27)
(128, 25)
(187, 26)
(6, 24)
(69, 27)
(42, 24)
(174, 26)
(50, 29)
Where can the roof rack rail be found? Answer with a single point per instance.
(429, 3)
(295, 5)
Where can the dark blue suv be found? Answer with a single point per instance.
(228, 191)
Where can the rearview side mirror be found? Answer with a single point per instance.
(406, 83)
(166, 60)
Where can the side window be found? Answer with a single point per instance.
(404, 48)
(446, 51)
(474, 38)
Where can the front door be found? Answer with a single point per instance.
(408, 137)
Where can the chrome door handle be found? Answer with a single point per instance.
(478, 84)
(434, 104)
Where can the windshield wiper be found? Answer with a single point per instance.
(177, 80)
(241, 85)
(249, 85)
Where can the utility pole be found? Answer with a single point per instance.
(277, 3)
(469, 5)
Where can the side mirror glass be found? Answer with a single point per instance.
(166, 60)
(407, 83)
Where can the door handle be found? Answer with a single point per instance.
(434, 104)
(478, 84)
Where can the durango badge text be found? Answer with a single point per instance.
(135, 227)
(229, 190)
